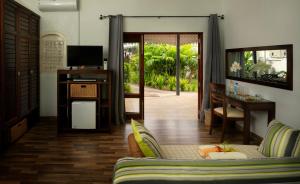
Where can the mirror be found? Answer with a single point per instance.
(268, 65)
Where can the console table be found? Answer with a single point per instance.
(84, 85)
(251, 105)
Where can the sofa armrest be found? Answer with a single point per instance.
(134, 149)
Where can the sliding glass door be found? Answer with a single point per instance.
(162, 64)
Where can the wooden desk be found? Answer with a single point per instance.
(251, 105)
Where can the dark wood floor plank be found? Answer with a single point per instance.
(42, 156)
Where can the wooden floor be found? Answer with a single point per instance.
(43, 157)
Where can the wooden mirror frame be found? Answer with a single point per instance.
(289, 74)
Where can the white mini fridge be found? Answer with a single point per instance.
(84, 115)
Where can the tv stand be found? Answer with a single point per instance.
(91, 85)
(85, 68)
(84, 80)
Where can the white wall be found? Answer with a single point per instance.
(30, 4)
(65, 23)
(261, 23)
(95, 32)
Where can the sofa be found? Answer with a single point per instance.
(165, 171)
(276, 160)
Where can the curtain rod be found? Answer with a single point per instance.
(163, 16)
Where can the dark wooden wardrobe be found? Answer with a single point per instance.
(19, 70)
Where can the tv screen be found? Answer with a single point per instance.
(84, 55)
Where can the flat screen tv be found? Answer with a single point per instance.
(84, 55)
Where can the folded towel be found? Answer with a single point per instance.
(226, 155)
(204, 150)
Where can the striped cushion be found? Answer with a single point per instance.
(145, 140)
(280, 141)
(296, 150)
(163, 171)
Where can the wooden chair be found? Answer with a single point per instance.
(217, 103)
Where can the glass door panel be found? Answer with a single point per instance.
(133, 76)
(132, 105)
(132, 68)
(189, 61)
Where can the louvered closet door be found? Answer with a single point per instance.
(34, 62)
(10, 67)
(23, 62)
(34, 74)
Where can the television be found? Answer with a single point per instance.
(84, 55)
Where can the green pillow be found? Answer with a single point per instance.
(145, 140)
(280, 141)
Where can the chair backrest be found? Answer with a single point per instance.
(217, 93)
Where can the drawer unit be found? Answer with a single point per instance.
(18, 130)
(83, 90)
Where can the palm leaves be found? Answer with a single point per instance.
(160, 66)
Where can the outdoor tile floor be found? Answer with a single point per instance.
(166, 105)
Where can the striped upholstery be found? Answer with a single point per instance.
(296, 150)
(145, 140)
(280, 141)
(161, 171)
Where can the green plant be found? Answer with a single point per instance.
(171, 83)
(160, 80)
(189, 61)
(248, 63)
(184, 84)
(160, 66)
(127, 88)
(191, 87)
(126, 72)
(150, 79)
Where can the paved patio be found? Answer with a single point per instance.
(165, 105)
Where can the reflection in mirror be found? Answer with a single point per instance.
(240, 64)
(270, 65)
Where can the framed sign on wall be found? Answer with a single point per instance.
(53, 52)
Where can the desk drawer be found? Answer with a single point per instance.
(83, 90)
(18, 130)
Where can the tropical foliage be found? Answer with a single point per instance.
(160, 67)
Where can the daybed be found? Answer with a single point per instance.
(276, 160)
